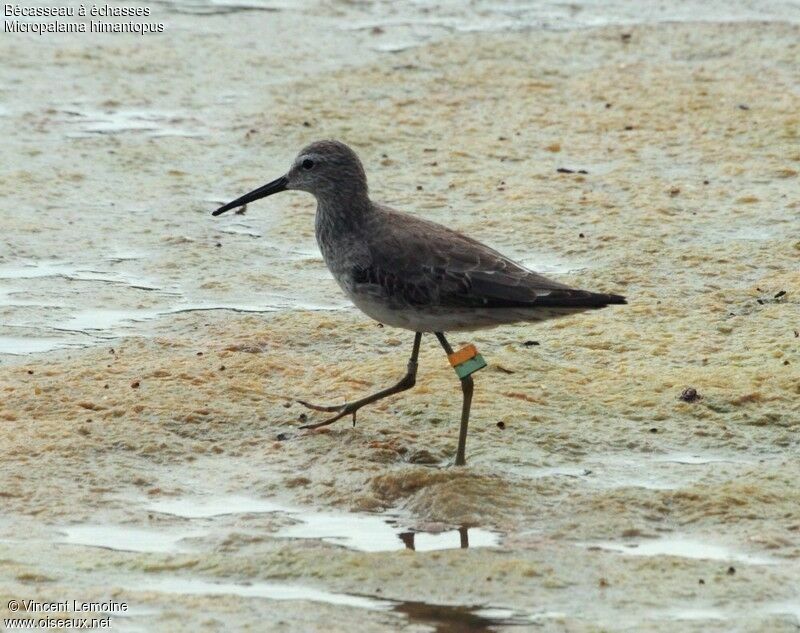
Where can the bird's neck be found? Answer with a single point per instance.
(343, 210)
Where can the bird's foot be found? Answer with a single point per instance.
(342, 410)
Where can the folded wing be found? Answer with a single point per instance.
(419, 263)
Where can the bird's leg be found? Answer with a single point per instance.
(408, 381)
(467, 388)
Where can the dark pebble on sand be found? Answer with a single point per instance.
(689, 395)
(530, 343)
(135, 384)
(302, 417)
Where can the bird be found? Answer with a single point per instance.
(411, 273)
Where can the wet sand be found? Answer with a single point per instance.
(148, 468)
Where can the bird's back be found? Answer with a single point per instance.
(458, 271)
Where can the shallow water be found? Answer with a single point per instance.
(667, 471)
(682, 547)
(126, 539)
(362, 532)
(121, 121)
(359, 532)
(444, 618)
(271, 591)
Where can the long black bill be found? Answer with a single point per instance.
(277, 185)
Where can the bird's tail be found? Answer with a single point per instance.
(579, 299)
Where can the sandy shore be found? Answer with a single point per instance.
(615, 505)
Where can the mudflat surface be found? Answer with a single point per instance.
(147, 468)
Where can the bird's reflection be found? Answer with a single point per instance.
(408, 538)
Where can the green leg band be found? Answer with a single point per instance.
(470, 366)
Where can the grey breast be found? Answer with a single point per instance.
(343, 248)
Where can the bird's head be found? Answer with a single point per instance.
(325, 169)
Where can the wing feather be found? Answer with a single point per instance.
(420, 263)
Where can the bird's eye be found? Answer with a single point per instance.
(308, 164)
